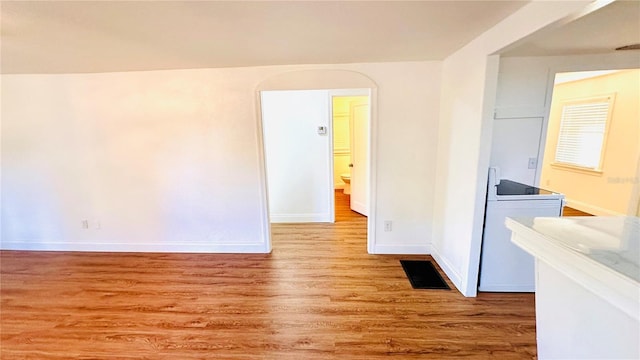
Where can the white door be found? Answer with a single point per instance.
(297, 154)
(360, 156)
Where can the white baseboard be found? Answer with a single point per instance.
(448, 269)
(591, 209)
(299, 218)
(402, 249)
(507, 288)
(254, 248)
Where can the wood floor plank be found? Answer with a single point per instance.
(318, 295)
(569, 211)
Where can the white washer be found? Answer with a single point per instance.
(504, 267)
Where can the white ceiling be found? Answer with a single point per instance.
(615, 25)
(102, 36)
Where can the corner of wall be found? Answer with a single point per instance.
(448, 269)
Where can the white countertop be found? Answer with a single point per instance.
(600, 253)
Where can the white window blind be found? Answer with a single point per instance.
(583, 126)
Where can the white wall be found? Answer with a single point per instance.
(406, 140)
(164, 161)
(171, 160)
(467, 107)
(297, 157)
(514, 142)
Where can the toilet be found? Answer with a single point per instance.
(347, 181)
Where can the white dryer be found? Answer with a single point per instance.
(504, 267)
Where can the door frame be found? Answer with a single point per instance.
(605, 64)
(345, 93)
(371, 149)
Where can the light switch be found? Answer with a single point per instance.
(322, 130)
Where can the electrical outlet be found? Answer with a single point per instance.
(97, 225)
(85, 224)
(388, 225)
(533, 163)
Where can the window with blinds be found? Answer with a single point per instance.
(583, 128)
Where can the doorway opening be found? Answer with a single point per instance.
(591, 149)
(350, 123)
(314, 140)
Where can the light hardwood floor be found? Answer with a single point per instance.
(318, 295)
(569, 211)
